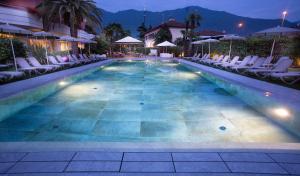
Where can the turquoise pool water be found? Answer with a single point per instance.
(142, 101)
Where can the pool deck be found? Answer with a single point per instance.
(161, 159)
(158, 159)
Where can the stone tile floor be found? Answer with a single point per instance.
(94, 163)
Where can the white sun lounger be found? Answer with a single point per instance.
(281, 66)
(231, 63)
(24, 66)
(34, 62)
(53, 61)
(287, 78)
(62, 60)
(223, 61)
(242, 64)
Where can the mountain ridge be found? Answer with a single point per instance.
(212, 20)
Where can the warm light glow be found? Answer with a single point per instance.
(62, 83)
(240, 25)
(6, 35)
(267, 94)
(129, 60)
(199, 72)
(284, 13)
(282, 113)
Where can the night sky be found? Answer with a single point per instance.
(269, 9)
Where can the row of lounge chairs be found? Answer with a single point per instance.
(253, 65)
(31, 66)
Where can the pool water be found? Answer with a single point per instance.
(142, 101)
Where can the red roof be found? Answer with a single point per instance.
(21, 4)
(209, 33)
(171, 23)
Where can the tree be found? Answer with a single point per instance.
(163, 34)
(115, 31)
(73, 13)
(192, 22)
(142, 31)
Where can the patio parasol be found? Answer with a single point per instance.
(231, 38)
(10, 29)
(166, 44)
(277, 31)
(210, 41)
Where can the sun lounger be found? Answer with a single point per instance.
(53, 61)
(231, 63)
(287, 78)
(241, 64)
(24, 66)
(223, 61)
(34, 62)
(281, 66)
(215, 59)
(66, 59)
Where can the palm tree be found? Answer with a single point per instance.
(142, 30)
(73, 13)
(192, 22)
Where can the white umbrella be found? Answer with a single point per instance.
(10, 29)
(279, 30)
(210, 41)
(200, 42)
(166, 44)
(232, 37)
(44, 34)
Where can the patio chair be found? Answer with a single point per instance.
(224, 61)
(281, 66)
(67, 60)
(53, 61)
(256, 65)
(231, 63)
(74, 58)
(289, 78)
(34, 62)
(241, 64)
(26, 67)
(215, 59)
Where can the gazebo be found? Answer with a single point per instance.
(128, 42)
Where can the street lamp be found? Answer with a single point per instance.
(240, 25)
(284, 14)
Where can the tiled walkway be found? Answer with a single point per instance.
(148, 163)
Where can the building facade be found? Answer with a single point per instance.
(175, 28)
(23, 13)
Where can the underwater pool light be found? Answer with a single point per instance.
(282, 112)
(267, 94)
(62, 83)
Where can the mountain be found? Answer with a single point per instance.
(212, 20)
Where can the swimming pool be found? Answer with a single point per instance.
(143, 101)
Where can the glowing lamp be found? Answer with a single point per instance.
(282, 113)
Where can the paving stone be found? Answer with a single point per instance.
(147, 167)
(291, 168)
(49, 156)
(5, 166)
(11, 157)
(93, 166)
(286, 158)
(28, 167)
(200, 167)
(254, 157)
(196, 157)
(147, 157)
(99, 156)
(261, 168)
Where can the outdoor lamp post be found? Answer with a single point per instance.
(284, 14)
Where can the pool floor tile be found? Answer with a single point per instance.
(5, 166)
(250, 157)
(11, 156)
(286, 158)
(291, 168)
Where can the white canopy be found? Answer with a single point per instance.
(13, 29)
(44, 34)
(166, 44)
(233, 37)
(197, 42)
(129, 40)
(69, 39)
(210, 41)
(278, 29)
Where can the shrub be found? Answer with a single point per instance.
(39, 53)
(101, 47)
(6, 52)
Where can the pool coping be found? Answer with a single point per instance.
(14, 88)
(147, 147)
(247, 81)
